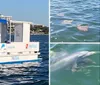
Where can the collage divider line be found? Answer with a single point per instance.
(74, 42)
(49, 42)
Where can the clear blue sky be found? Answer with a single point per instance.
(36, 11)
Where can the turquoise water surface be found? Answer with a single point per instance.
(83, 12)
(86, 75)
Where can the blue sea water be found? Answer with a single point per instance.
(28, 73)
(83, 12)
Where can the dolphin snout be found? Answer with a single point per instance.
(90, 53)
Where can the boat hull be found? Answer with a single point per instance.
(18, 59)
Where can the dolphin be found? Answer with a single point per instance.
(72, 60)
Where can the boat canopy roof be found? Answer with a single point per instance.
(3, 21)
(20, 22)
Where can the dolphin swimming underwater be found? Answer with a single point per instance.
(71, 61)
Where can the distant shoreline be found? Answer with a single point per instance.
(31, 34)
(39, 34)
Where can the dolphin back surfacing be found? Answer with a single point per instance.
(72, 61)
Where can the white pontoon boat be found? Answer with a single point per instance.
(21, 49)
